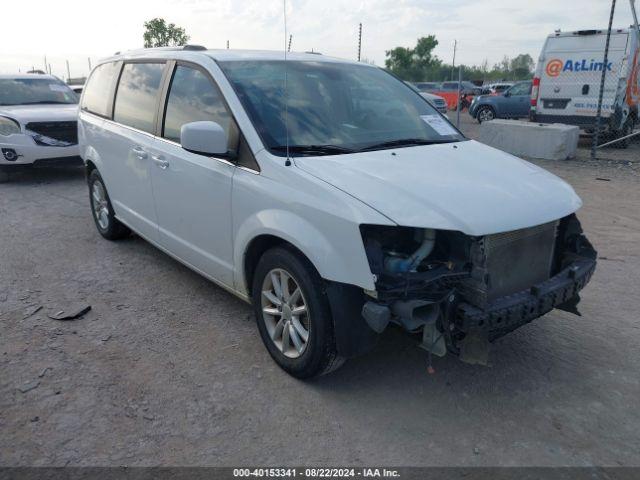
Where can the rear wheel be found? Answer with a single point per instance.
(627, 129)
(103, 215)
(294, 318)
(485, 114)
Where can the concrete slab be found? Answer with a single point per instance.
(535, 140)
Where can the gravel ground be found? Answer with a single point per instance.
(168, 369)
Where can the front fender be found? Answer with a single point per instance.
(338, 255)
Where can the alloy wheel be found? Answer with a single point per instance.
(285, 313)
(100, 205)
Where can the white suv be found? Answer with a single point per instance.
(38, 122)
(330, 195)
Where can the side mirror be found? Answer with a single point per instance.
(507, 94)
(204, 137)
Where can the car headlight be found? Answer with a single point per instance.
(8, 126)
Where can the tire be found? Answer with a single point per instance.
(103, 215)
(485, 114)
(318, 354)
(627, 129)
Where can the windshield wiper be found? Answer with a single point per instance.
(404, 142)
(314, 149)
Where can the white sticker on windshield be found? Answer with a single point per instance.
(57, 88)
(439, 124)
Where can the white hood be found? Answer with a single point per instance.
(40, 113)
(464, 186)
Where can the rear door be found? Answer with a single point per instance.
(193, 191)
(132, 144)
(571, 72)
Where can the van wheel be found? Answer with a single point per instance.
(293, 314)
(485, 114)
(103, 215)
(627, 129)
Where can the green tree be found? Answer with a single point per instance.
(522, 66)
(413, 63)
(160, 34)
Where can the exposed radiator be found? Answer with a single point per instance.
(506, 263)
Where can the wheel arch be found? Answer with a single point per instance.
(326, 252)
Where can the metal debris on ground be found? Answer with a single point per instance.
(71, 313)
(28, 386)
(32, 310)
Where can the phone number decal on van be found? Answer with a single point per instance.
(555, 66)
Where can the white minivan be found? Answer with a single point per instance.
(331, 196)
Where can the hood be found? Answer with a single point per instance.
(40, 113)
(465, 186)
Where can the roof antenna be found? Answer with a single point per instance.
(286, 106)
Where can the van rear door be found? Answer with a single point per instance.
(571, 73)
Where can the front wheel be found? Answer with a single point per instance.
(293, 314)
(485, 114)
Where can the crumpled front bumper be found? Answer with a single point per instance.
(512, 311)
(29, 152)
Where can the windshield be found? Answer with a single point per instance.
(334, 108)
(31, 91)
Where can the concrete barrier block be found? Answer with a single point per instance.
(553, 141)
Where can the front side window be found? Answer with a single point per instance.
(192, 97)
(97, 92)
(137, 95)
(35, 91)
(333, 107)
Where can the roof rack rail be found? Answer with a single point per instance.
(314, 53)
(195, 48)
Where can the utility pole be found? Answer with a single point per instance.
(227, 44)
(45, 63)
(89, 60)
(453, 66)
(596, 135)
(359, 41)
(68, 71)
(289, 47)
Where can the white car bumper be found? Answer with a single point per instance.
(21, 149)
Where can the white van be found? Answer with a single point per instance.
(568, 75)
(331, 196)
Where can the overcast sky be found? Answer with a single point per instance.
(76, 29)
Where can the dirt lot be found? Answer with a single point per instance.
(168, 369)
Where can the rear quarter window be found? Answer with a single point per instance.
(97, 91)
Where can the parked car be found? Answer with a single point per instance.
(466, 87)
(427, 87)
(566, 85)
(351, 206)
(496, 88)
(513, 103)
(436, 101)
(38, 121)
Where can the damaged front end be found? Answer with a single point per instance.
(461, 292)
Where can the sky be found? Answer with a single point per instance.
(76, 30)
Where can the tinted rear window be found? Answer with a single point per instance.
(98, 89)
(137, 95)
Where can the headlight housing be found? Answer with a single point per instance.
(8, 126)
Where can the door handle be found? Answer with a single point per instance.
(139, 152)
(160, 161)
